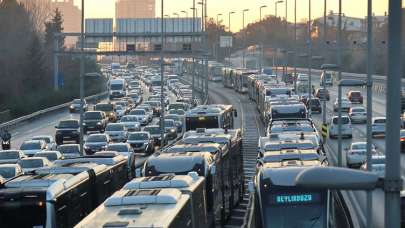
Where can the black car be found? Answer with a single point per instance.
(95, 143)
(67, 130)
(314, 104)
(94, 121)
(76, 104)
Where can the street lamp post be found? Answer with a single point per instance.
(244, 37)
(275, 4)
(295, 45)
(261, 43)
(217, 43)
(229, 29)
(193, 66)
(220, 14)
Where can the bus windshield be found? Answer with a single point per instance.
(30, 213)
(192, 123)
(302, 209)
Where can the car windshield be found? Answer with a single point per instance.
(77, 101)
(355, 94)
(177, 111)
(116, 86)
(379, 121)
(358, 110)
(115, 127)
(104, 107)
(344, 120)
(68, 124)
(46, 139)
(119, 107)
(49, 156)
(118, 148)
(9, 155)
(176, 106)
(7, 172)
(173, 117)
(97, 138)
(153, 130)
(153, 103)
(378, 161)
(138, 136)
(69, 149)
(138, 112)
(31, 163)
(169, 123)
(359, 146)
(30, 146)
(128, 119)
(92, 115)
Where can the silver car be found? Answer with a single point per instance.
(356, 155)
(346, 127)
(117, 132)
(358, 114)
(378, 127)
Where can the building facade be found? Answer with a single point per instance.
(135, 9)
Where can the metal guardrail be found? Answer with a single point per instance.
(15, 122)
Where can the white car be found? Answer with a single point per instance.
(346, 105)
(33, 163)
(131, 122)
(31, 147)
(356, 155)
(346, 127)
(141, 114)
(49, 140)
(120, 111)
(378, 165)
(117, 132)
(378, 126)
(8, 171)
(358, 114)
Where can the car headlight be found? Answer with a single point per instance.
(98, 123)
(84, 124)
(172, 130)
(86, 147)
(71, 106)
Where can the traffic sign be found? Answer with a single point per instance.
(225, 41)
(325, 130)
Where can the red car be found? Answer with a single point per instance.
(355, 97)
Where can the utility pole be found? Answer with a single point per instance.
(162, 67)
(310, 56)
(193, 67)
(369, 105)
(82, 80)
(339, 59)
(295, 45)
(393, 182)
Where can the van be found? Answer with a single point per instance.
(117, 88)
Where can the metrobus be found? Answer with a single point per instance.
(167, 207)
(215, 71)
(210, 116)
(228, 77)
(279, 203)
(241, 80)
(62, 195)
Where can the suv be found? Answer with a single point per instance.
(67, 130)
(141, 142)
(94, 120)
(108, 109)
(346, 127)
(314, 104)
(355, 96)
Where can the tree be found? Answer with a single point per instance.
(35, 75)
(39, 12)
(54, 26)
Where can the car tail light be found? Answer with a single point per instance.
(402, 139)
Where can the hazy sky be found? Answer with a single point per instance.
(357, 8)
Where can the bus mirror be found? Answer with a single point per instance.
(251, 187)
(213, 170)
(235, 113)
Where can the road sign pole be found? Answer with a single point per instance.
(339, 58)
(162, 82)
(82, 80)
(393, 167)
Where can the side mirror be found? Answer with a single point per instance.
(56, 126)
(235, 113)
(251, 187)
(213, 170)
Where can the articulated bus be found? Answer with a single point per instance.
(279, 203)
(62, 195)
(215, 71)
(210, 116)
(228, 77)
(241, 80)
